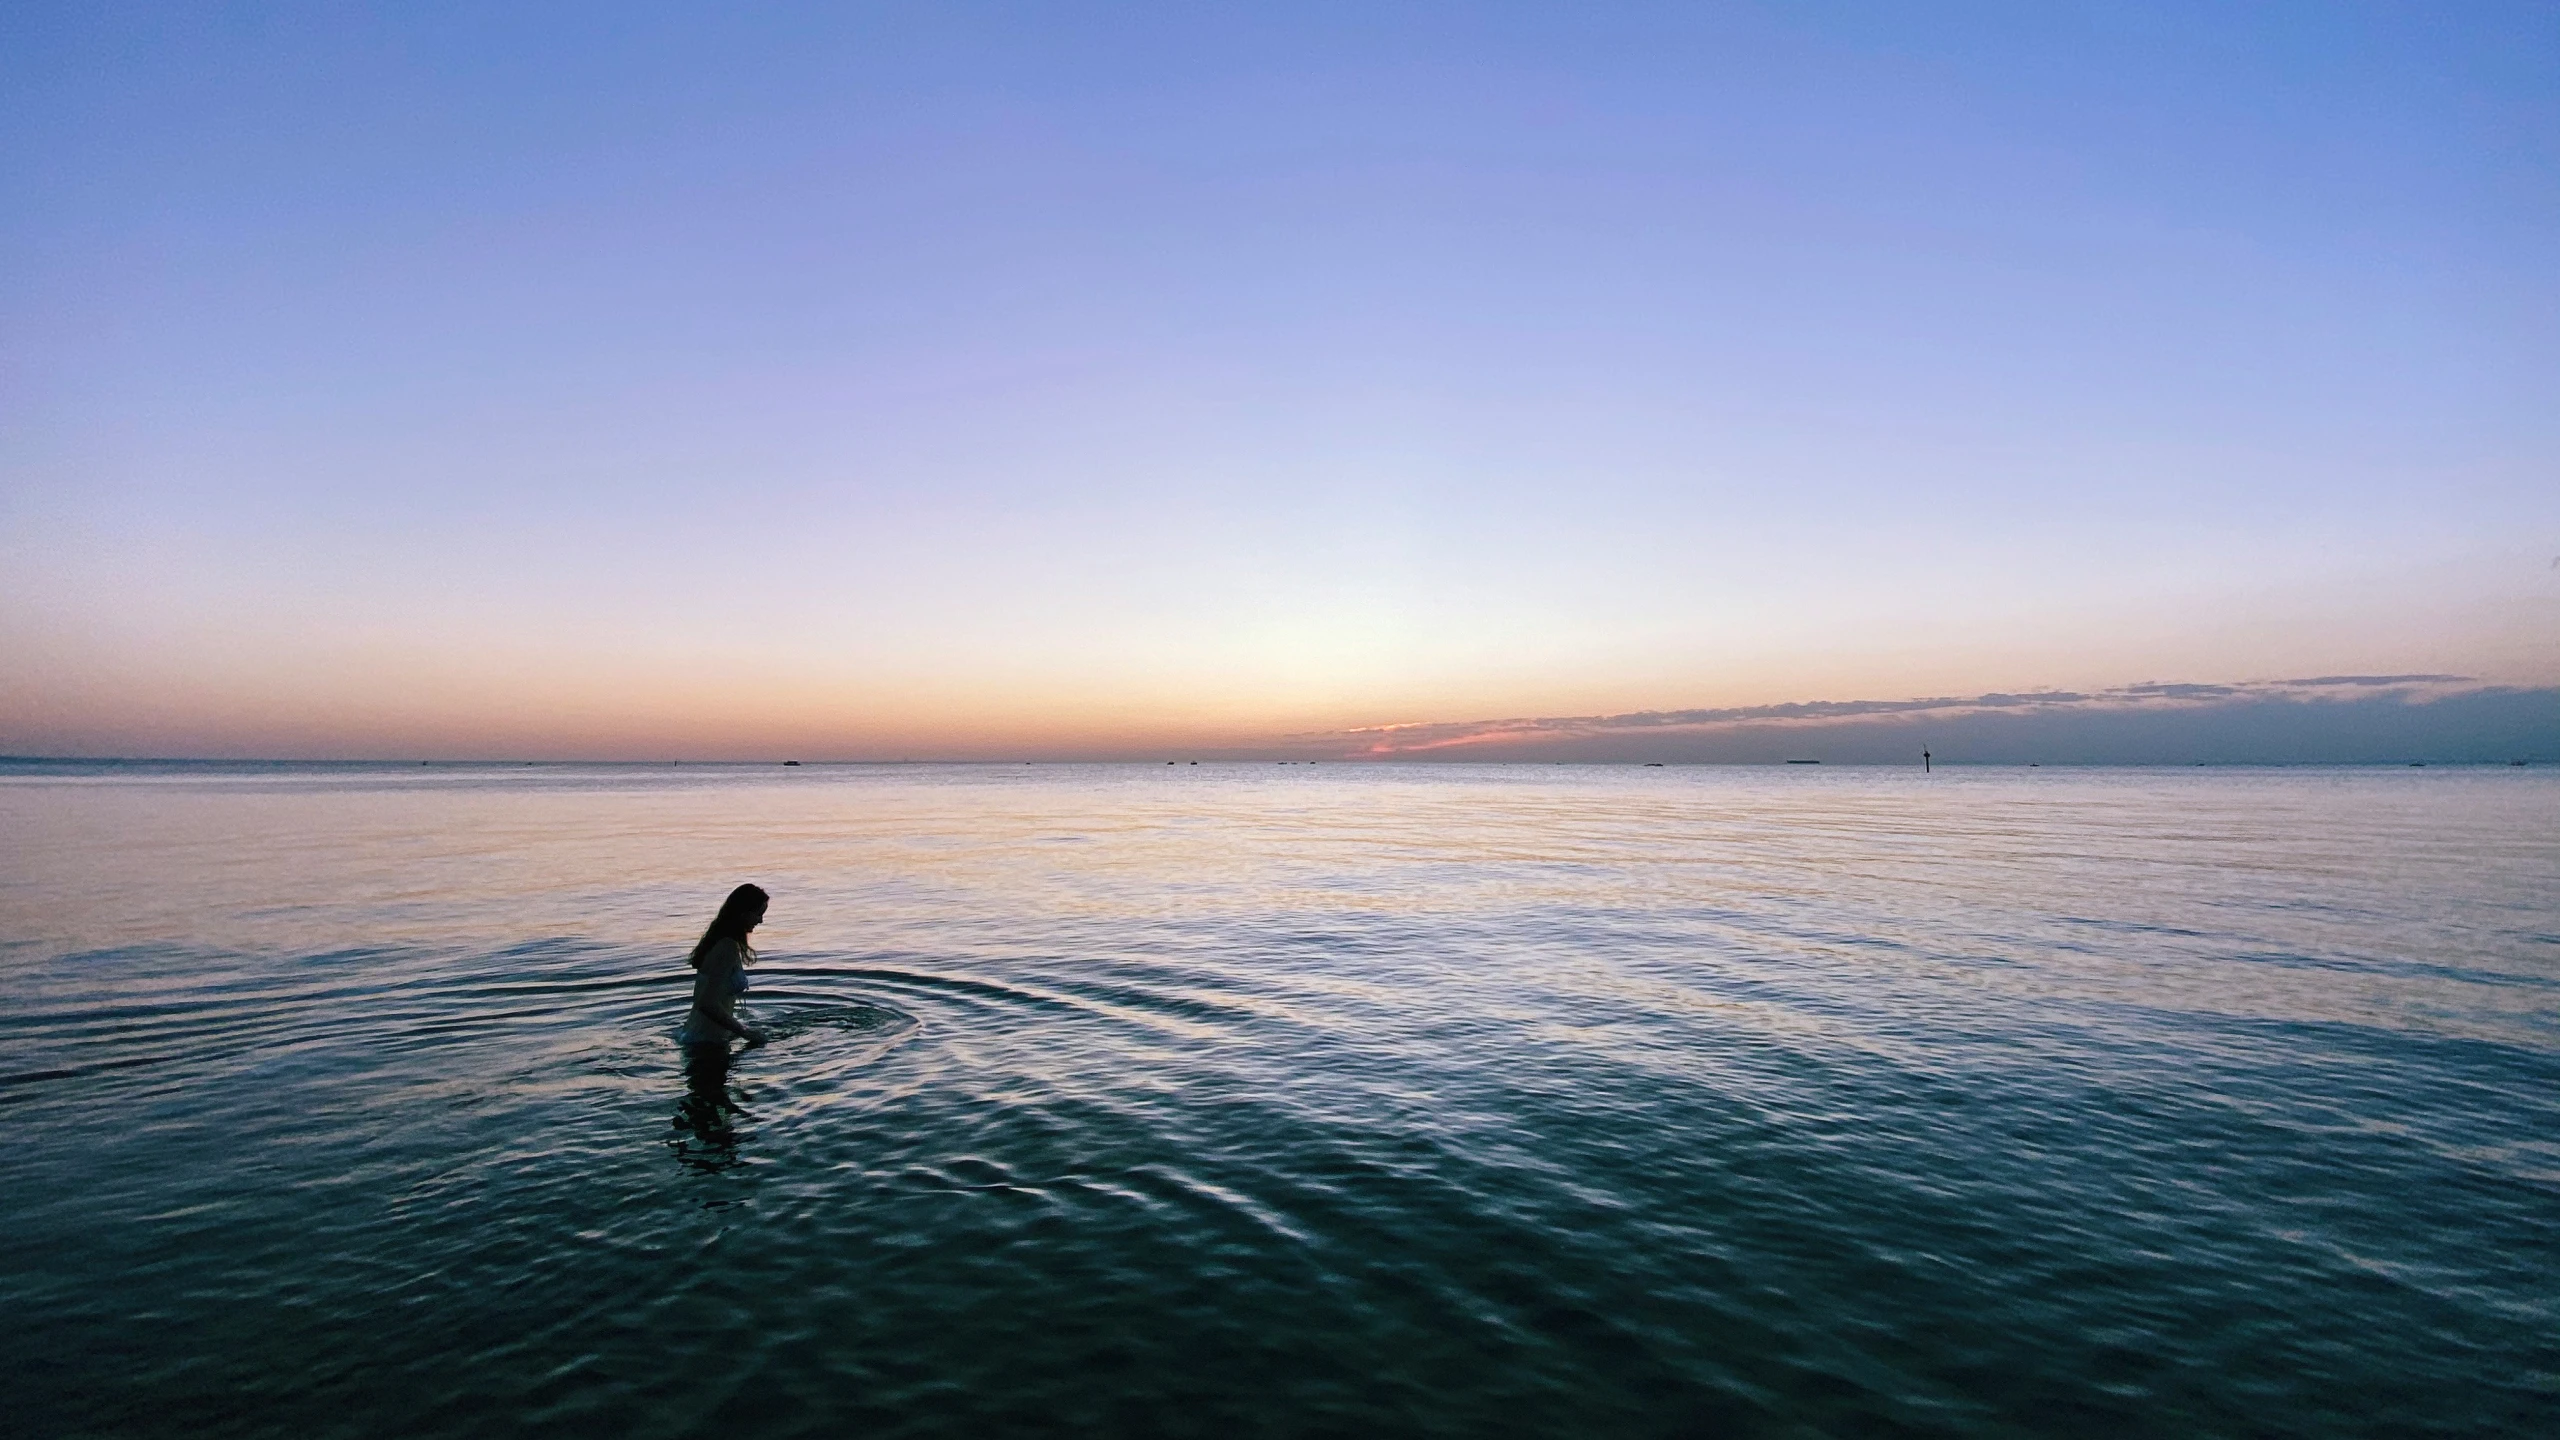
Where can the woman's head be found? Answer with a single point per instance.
(740, 913)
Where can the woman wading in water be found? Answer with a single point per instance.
(720, 961)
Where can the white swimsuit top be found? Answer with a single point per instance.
(701, 1029)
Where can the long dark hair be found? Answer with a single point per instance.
(741, 908)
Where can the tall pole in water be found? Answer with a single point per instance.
(1924, 762)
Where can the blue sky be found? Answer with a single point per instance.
(869, 380)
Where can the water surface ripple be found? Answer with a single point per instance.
(1262, 1100)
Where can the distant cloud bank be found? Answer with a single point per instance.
(2323, 719)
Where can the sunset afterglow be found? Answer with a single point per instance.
(626, 382)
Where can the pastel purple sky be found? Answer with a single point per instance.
(870, 381)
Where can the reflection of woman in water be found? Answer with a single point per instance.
(706, 1110)
(720, 961)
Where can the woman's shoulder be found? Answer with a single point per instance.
(723, 953)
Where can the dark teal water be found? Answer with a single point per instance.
(1263, 1100)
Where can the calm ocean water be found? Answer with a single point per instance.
(1277, 1100)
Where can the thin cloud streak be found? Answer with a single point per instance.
(1451, 739)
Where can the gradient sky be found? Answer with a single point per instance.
(632, 379)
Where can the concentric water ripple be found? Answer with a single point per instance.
(1250, 1100)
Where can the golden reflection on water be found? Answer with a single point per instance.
(2414, 893)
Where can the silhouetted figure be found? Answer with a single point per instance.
(1924, 762)
(720, 961)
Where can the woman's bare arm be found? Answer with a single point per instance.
(713, 997)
